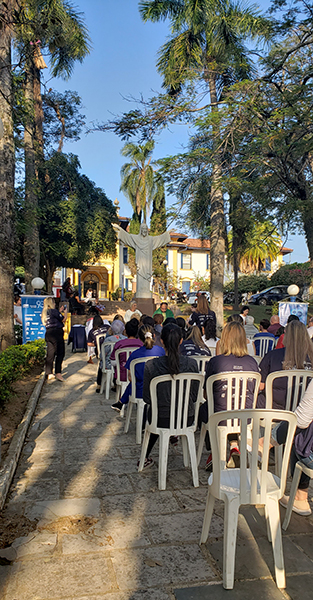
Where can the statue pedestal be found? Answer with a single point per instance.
(146, 306)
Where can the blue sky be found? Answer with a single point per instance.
(121, 64)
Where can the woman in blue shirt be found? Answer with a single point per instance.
(53, 321)
(149, 348)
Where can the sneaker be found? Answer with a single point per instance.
(90, 361)
(301, 507)
(149, 462)
(209, 463)
(234, 459)
(117, 406)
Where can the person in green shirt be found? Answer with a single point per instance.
(164, 310)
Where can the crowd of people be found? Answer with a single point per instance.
(171, 345)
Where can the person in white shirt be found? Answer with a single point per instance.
(132, 312)
(310, 327)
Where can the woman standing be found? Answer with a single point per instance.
(53, 321)
(202, 313)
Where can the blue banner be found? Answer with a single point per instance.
(32, 307)
(300, 309)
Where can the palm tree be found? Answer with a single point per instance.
(7, 162)
(52, 26)
(141, 183)
(262, 243)
(207, 43)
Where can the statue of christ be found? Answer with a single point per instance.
(143, 244)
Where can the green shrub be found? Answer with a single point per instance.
(118, 294)
(15, 361)
(249, 284)
(298, 273)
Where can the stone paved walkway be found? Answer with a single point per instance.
(98, 530)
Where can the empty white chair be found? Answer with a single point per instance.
(299, 468)
(134, 400)
(178, 416)
(107, 374)
(236, 385)
(264, 344)
(253, 485)
(297, 382)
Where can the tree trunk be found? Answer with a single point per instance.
(31, 238)
(7, 163)
(50, 268)
(38, 112)
(236, 269)
(217, 237)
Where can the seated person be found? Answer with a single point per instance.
(131, 329)
(250, 343)
(274, 325)
(280, 341)
(264, 325)
(302, 449)
(164, 310)
(209, 334)
(244, 313)
(182, 324)
(233, 357)
(172, 363)
(99, 328)
(149, 348)
(193, 344)
(158, 324)
(249, 327)
(132, 312)
(76, 306)
(296, 354)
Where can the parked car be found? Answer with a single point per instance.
(270, 295)
(192, 297)
(229, 298)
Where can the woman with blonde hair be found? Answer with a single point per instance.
(234, 357)
(53, 320)
(202, 313)
(297, 353)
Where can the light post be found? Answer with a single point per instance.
(37, 284)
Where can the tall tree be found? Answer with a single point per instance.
(140, 183)
(76, 217)
(7, 168)
(207, 43)
(53, 26)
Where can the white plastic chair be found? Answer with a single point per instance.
(201, 361)
(297, 382)
(180, 392)
(266, 344)
(90, 349)
(107, 374)
(134, 400)
(212, 350)
(236, 392)
(253, 485)
(299, 468)
(121, 385)
(99, 343)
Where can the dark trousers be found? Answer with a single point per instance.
(55, 348)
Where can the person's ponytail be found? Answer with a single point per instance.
(171, 337)
(145, 334)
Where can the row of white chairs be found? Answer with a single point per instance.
(253, 485)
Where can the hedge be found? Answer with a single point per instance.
(16, 361)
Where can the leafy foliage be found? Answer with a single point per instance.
(249, 284)
(62, 118)
(200, 283)
(298, 273)
(15, 361)
(76, 216)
